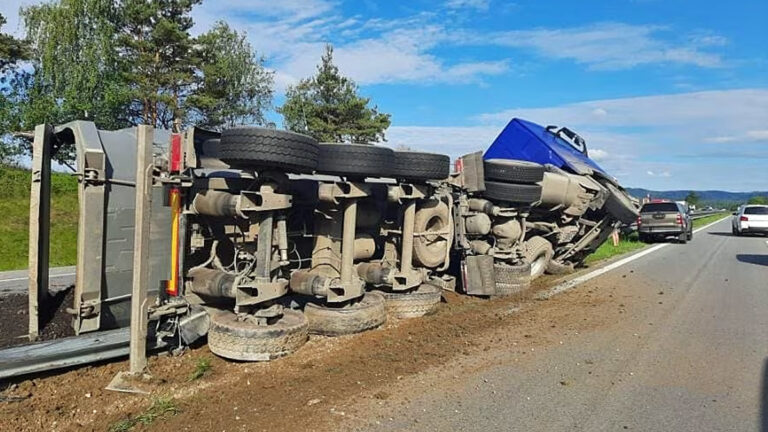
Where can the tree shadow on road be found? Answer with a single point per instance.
(753, 259)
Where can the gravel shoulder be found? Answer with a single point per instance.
(475, 364)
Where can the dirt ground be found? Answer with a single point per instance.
(54, 319)
(313, 389)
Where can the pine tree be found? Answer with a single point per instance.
(327, 106)
(157, 57)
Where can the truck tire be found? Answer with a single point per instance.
(619, 206)
(411, 165)
(513, 171)
(559, 268)
(515, 193)
(413, 304)
(365, 314)
(510, 279)
(254, 148)
(538, 253)
(355, 160)
(430, 250)
(235, 339)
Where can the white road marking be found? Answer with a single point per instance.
(49, 277)
(569, 284)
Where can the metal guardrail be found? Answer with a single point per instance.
(701, 214)
(67, 352)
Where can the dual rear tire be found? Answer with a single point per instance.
(262, 148)
(513, 181)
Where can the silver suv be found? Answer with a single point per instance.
(664, 219)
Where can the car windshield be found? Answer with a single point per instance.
(756, 210)
(660, 207)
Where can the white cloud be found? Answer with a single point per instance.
(758, 135)
(699, 114)
(608, 46)
(452, 140)
(598, 154)
(644, 141)
(480, 5)
(748, 136)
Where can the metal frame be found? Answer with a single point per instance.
(39, 225)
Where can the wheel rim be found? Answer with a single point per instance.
(537, 266)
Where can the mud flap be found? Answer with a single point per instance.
(478, 278)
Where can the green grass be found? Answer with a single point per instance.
(202, 366)
(14, 209)
(631, 242)
(160, 407)
(627, 243)
(709, 219)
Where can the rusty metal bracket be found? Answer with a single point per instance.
(336, 191)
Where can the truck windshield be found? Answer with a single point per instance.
(660, 207)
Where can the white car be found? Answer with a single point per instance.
(750, 218)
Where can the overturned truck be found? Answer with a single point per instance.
(257, 237)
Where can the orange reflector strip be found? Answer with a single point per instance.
(172, 288)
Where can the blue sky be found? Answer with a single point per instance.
(669, 94)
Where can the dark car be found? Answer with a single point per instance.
(664, 219)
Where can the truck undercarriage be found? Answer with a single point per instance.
(258, 237)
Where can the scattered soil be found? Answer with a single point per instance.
(54, 320)
(313, 389)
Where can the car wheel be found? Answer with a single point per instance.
(643, 238)
(236, 339)
(257, 148)
(538, 253)
(513, 171)
(410, 165)
(355, 160)
(511, 192)
(683, 238)
(364, 314)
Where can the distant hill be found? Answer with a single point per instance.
(707, 197)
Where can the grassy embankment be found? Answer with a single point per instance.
(14, 210)
(630, 242)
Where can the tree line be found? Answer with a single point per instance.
(128, 62)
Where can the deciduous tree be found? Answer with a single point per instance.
(235, 88)
(327, 106)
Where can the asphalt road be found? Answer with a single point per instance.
(16, 281)
(689, 353)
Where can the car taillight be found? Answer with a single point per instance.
(744, 219)
(679, 219)
(639, 220)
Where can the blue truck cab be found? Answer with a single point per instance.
(560, 147)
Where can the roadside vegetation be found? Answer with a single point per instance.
(709, 219)
(14, 208)
(631, 242)
(627, 243)
(161, 407)
(202, 367)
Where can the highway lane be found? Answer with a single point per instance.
(17, 281)
(684, 348)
